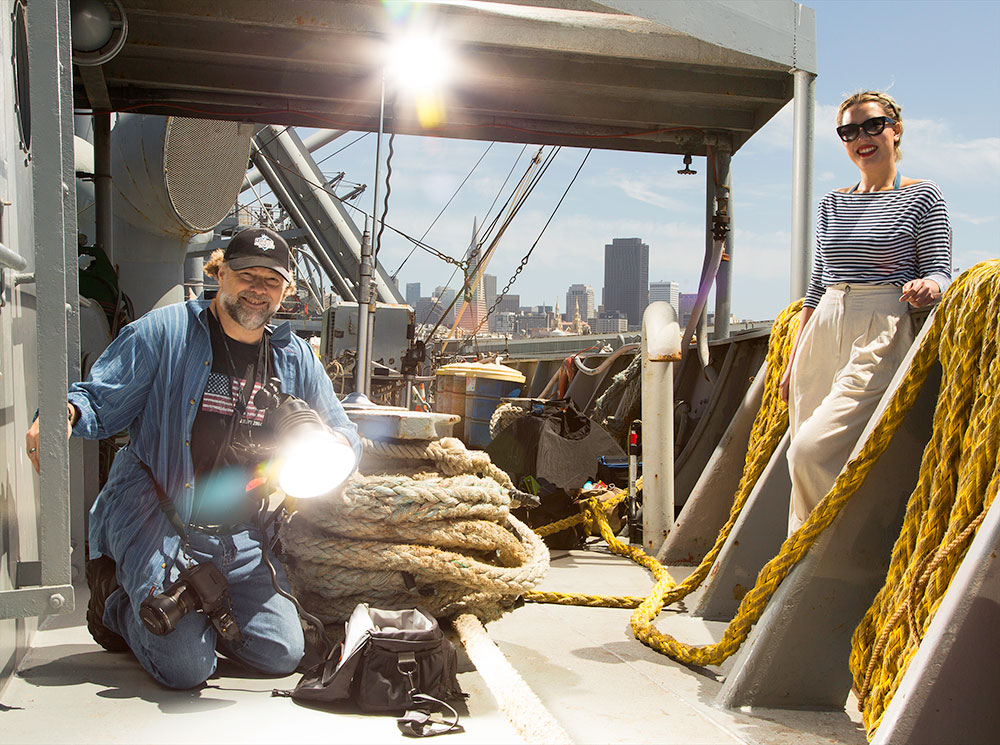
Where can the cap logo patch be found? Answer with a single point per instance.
(264, 242)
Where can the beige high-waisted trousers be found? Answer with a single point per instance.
(848, 354)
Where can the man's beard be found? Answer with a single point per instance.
(247, 317)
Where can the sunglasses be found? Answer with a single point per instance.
(872, 128)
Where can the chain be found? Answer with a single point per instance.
(524, 261)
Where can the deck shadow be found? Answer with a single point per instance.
(119, 676)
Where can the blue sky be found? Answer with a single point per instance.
(940, 60)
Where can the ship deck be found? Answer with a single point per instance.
(597, 680)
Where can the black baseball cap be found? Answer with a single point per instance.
(258, 247)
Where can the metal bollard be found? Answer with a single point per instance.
(661, 347)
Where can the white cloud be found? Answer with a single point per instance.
(644, 192)
(930, 150)
(976, 219)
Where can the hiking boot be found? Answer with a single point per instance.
(102, 581)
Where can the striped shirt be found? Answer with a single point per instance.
(881, 238)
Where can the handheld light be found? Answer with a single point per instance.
(310, 460)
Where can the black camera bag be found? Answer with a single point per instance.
(391, 661)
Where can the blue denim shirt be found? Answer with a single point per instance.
(150, 380)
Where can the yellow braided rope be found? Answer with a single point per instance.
(959, 477)
(584, 516)
(768, 428)
(797, 544)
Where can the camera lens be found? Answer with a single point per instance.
(161, 613)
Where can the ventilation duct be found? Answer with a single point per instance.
(174, 178)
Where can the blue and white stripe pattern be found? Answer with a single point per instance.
(881, 238)
(150, 380)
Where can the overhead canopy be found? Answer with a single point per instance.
(661, 75)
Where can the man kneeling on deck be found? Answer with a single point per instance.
(182, 379)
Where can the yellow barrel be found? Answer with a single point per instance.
(473, 390)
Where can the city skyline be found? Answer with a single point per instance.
(659, 290)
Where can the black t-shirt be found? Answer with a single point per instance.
(220, 481)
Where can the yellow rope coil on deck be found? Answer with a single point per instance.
(768, 428)
(959, 477)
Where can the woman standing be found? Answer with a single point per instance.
(882, 247)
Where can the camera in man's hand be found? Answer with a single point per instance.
(198, 588)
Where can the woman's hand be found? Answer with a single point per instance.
(920, 292)
(786, 379)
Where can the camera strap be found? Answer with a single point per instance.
(261, 370)
(166, 503)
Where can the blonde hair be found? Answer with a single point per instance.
(889, 107)
(217, 259)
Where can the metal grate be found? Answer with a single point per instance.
(205, 162)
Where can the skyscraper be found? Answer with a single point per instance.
(626, 278)
(412, 293)
(580, 297)
(490, 287)
(668, 292)
(471, 308)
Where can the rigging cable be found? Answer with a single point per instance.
(514, 203)
(337, 152)
(490, 209)
(420, 244)
(524, 261)
(447, 204)
(513, 209)
(385, 202)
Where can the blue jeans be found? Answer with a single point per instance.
(272, 640)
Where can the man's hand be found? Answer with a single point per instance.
(920, 292)
(31, 439)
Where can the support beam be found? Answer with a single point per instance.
(312, 143)
(55, 231)
(754, 540)
(802, 175)
(102, 184)
(708, 505)
(724, 276)
(948, 692)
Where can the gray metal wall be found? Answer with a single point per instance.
(24, 176)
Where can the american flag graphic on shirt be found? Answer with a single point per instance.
(223, 392)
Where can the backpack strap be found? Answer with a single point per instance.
(417, 721)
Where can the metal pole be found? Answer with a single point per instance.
(724, 276)
(366, 299)
(102, 183)
(802, 173)
(371, 337)
(363, 361)
(12, 260)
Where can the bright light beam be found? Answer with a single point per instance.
(314, 465)
(418, 64)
